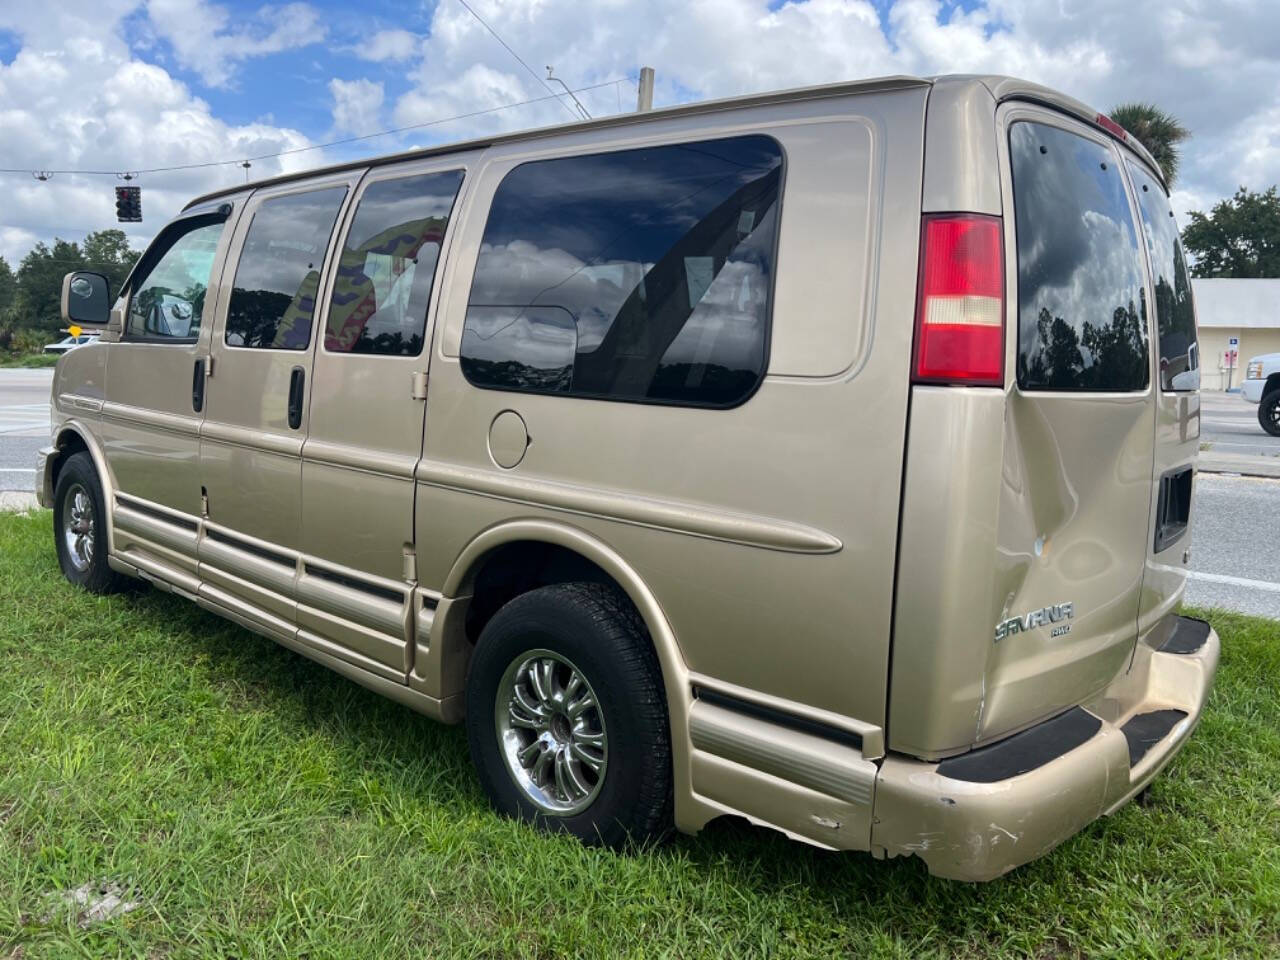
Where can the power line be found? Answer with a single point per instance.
(320, 146)
(544, 83)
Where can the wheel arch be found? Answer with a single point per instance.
(468, 570)
(74, 437)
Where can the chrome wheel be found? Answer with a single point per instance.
(78, 527)
(551, 731)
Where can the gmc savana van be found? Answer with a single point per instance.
(821, 458)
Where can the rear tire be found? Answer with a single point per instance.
(1269, 413)
(567, 718)
(79, 527)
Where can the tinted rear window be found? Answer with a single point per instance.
(388, 262)
(278, 276)
(1175, 314)
(636, 275)
(1081, 305)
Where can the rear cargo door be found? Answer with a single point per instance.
(1079, 425)
(1177, 407)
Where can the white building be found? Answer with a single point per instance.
(1246, 309)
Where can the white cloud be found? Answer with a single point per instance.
(75, 97)
(1214, 66)
(203, 40)
(387, 46)
(75, 94)
(356, 106)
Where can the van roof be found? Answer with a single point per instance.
(1001, 88)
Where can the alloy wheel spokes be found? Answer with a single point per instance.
(551, 730)
(78, 528)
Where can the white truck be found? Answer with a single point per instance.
(1262, 386)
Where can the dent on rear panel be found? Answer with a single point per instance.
(1058, 537)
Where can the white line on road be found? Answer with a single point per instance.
(1234, 581)
(17, 469)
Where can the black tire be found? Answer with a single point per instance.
(1269, 413)
(598, 633)
(79, 478)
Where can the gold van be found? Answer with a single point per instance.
(822, 458)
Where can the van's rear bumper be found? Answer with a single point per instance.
(980, 821)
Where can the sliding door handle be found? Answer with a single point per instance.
(297, 380)
(197, 386)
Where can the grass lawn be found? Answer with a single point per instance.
(28, 359)
(254, 805)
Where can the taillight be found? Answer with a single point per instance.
(960, 311)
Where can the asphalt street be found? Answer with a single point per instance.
(24, 425)
(1229, 425)
(1235, 520)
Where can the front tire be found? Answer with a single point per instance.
(79, 527)
(1269, 413)
(567, 719)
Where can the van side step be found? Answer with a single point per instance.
(1023, 751)
(1188, 636)
(1145, 730)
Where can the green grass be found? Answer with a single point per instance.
(28, 360)
(259, 806)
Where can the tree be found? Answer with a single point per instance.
(108, 253)
(1239, 238)
(8, 285)
(1156, 130)
(37, 303)
(40, 283)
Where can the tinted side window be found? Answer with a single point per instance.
(383, 283)
(1175, 313)
(637, 275)
(168, 301)
(1082, 321)
(278, 277)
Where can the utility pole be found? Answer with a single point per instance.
(644, 101)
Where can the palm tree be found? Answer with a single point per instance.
(1156, 130)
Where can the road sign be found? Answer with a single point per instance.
(1233, 342)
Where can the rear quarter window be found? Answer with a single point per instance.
(1082, 322)
(639, 275)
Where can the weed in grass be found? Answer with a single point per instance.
(262, 807)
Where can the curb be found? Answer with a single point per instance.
(1245, 466)
(17, 501)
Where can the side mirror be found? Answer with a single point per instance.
(86, 299)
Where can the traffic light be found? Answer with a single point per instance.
(129, 204)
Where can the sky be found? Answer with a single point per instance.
(121, 85)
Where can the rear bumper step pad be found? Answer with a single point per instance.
(1147, 729)
(1188, 636)
(1023, 751)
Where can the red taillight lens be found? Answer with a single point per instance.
(960, 312)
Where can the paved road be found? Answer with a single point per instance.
(1230, 425)
(24, 425)
(1235, 552)
(1235, 521)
